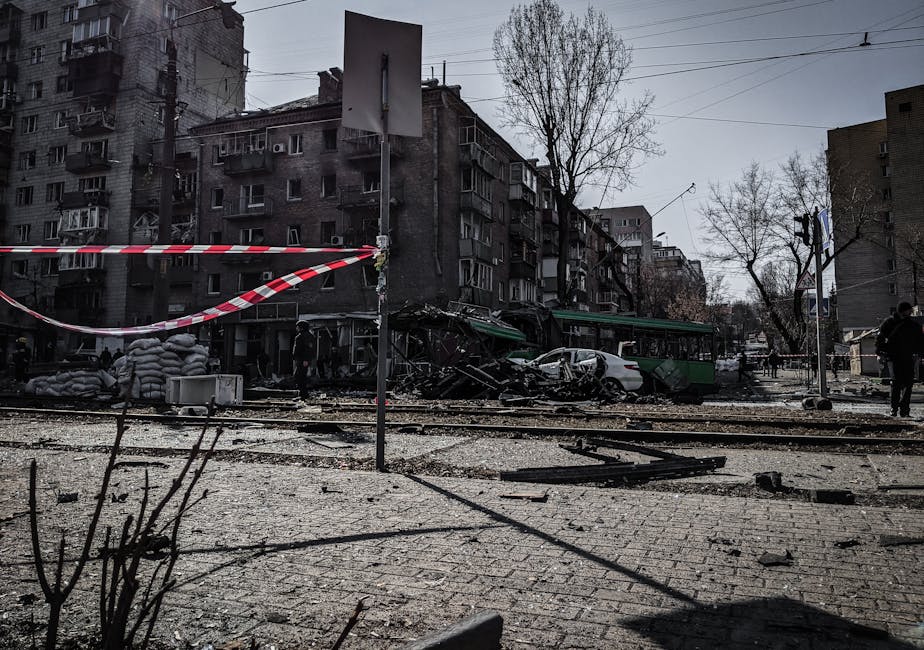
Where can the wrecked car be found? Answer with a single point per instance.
(614, 371)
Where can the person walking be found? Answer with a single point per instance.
(774, 360)
(899, 339)
(22, 355)
(742, 366)
(301, 356)
(105, 358)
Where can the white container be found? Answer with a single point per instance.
(226, 389)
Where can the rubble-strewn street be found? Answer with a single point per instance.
(296, 530)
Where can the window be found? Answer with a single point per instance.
(887, 216)
(247, 281)
(329, 185)
(217, 155)
(251, 235)
(370, 276)
(88, 218)
(501, 251)
(886, 170)
(96, 27)
(35, 90)
(49, 266)
(890, 242)
(37, 54)
(890, 264)
(68, 14)
(57, 154)
(60, 119)
(295, 144)
(39, 21)
(64, 51)
(328, 231)
(214, 283)
(475, 274)
(26, 160)
(80, 261)
(327, 281)
(96, 148)
(215, 237)
(23, 231)
(294, 189)
(371, 181)
(883, 148)
(887, 194)
(20, 268)
(170, 11)
(54, 192)
(63, 84)
(218, 197)
(30, 124)
(51, 229)
(24, 195)
(294, 235)
(253, 194)
(330, 139)
(501, 292)
(91, 184)
(904, 107)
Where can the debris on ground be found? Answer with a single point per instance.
(771, 482)
(839, 497)
(899, 540)
(612, 470)
(540, 497)
(776, 559)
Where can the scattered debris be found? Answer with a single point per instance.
(771, 482)
(840, 497)
(541, 497)
(319, 427)
(613, 471)
(816, 404)
(775, 559)
(847, 543)
(139, 463)
(640, 426)
(328, 442)
(899, 540)
(67, 497)
(277, 617)
(899, 486)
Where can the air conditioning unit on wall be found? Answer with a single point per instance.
(266, 276)
(279, 147)
(336, 240)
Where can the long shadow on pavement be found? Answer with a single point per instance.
(571, 548)
(763, 623)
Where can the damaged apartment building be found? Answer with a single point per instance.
(82, 102)
(466, 215)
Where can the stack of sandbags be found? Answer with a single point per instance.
(152, 361)
(70, 383)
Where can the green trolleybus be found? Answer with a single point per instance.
(680, 354)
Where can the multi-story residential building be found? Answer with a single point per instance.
(886, 156)
(82, 101)
(463, 212)
(672, 260)
(631, 227)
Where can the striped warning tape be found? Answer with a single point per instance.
(184, 249)
(238, 303)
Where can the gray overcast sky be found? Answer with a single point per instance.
(289, 44)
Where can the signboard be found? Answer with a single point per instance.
(370, 43)
(807, 281)
(813, 310)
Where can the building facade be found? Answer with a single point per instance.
(887, 156)
(81, 106)
(464, 215)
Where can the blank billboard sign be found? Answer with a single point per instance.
(366, 41)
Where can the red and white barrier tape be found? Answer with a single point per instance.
(239, 303)
(184, 249)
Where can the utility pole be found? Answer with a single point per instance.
(382, 289)
(161, 298)
(819, 305)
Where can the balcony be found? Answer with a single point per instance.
(608, 298)
(471, 202)
(524, 268)
(93, 123)
(475, 249)
(95, 71)
(8, 101)
(355, 196)
(247, 208)
(248, 162)
(576, 233)
(9, 70)
(360, 145)
(473, 154)
(476, 296)
(139, 275)
(71, 200)
(524, 229)
(85, 162)
(9, 32)
(522, 194)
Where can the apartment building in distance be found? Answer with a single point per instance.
(81, 104)
(631, 228)
(885, 267)
(464, 212)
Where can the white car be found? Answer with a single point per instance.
(618, 372)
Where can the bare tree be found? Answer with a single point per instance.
(563, 77)
(752, 224)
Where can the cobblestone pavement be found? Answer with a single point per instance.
(282, 554)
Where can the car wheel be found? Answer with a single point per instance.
(613, 385)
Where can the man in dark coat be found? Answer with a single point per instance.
(22, 355)
(774, 360)
(302, 352)
(899, 339)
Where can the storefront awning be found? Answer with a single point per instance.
(495, 329)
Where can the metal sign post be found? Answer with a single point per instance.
(382, 288)
(819, 303)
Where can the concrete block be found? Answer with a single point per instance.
(482, 631)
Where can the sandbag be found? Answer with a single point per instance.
(144, 344)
